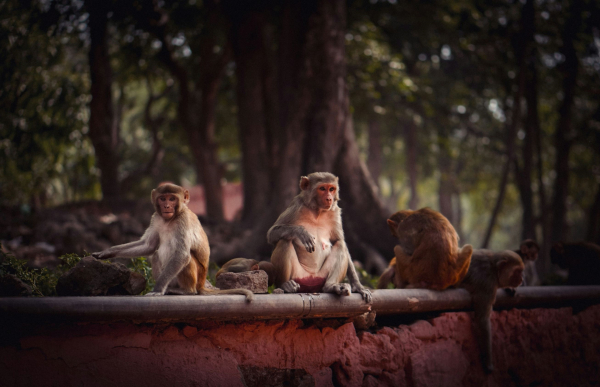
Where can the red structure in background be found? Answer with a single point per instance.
(233, 200)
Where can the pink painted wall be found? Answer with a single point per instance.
(531, 347)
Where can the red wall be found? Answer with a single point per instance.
(531, 347)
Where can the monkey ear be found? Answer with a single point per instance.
(186, 196)
(153, 196)
(392, 225)
(304, 183)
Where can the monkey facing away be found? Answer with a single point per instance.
(310, 253)
(581, 258)
(528, 251)
(177, 243)
(240, 265)
(428, 255)
(488, 272)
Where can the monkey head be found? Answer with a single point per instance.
(529, 250)
(320, 191)
(510, 270)
(395, 220)
(168, 200)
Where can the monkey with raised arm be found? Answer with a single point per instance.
(310, 252)
(427, 255)
(488, 272)
(177, 243)
(240, 265)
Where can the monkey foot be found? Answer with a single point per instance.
(152, 294)
(364, 293)
(340, 289)
(290, 287)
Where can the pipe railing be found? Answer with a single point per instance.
(280, 306)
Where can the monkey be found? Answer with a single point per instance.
(581, 258)
(177, 243)
(240, 265)
(428, 255)
(488, 272)
(528, 251)
(310, 253)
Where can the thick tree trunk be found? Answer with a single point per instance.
(593, 231)
(103, 132)
(446, 186)
(375, 161)
(562, 142)
(410, 138)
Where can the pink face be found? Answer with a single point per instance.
(167, 204)
(326, 195)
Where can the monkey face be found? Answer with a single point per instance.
(167, 204)
(326, 196)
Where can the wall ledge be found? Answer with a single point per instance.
(281, 306)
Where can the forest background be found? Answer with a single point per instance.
(487, 111)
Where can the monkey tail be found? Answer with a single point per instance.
(386, 277)
(463, 262)
(214, 292)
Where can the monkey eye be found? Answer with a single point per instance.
(322, 188)
(331, 189)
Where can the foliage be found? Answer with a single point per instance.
(141, 265)
(42, 281)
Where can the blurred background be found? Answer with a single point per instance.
(487, 111)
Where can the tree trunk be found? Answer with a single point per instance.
(410, 138)
(446, 186)
(375, 161)
(103, 132)
(562, 139)
(593, 231)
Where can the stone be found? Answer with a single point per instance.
(278, 291)
(92, 277)
(259, 376)
(256, 281)
(364, 321)
(12, 286)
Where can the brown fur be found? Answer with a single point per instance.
(428, 255)
(240, 265)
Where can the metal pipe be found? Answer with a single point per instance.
(281, 306)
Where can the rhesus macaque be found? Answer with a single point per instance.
(428, 255)
(581, 258)
(528, 251)
(240, 265)
(489, 271)
(177, 243)
(310, 253)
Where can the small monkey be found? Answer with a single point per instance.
(581, 258)
(528, 251)
(177, 243)
(488, 272)
(310, 253)
(428, 255)
(240, 265)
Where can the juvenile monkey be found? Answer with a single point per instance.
(488, 272)
(177, 243)
(240, 265)
(528, 251)
(581, 258)
(310, 253)
(428, 255)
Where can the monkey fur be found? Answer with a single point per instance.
(428, 255)
(581, 258)
(177, 244)
(528, 251)
(240, 265)
(488, 272)
(310, 253)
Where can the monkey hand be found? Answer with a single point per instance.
(307, 240)
(364, 293)
(103, 254)
(290, 287)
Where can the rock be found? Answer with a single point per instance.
(278, 291)
(256, 281)
(364, 321)
(12, 286)
(267, 376)
(92, 277)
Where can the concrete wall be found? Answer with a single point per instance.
(547, 347)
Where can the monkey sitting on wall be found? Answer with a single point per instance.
(240, 265)
(177, 243)
(488, 272)
(528, 251)
(581, 258)
(428, 255)
(310, 253)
